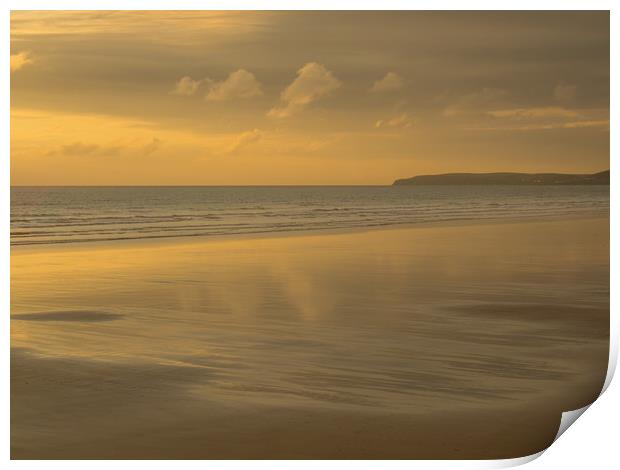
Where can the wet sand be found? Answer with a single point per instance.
(438, 342)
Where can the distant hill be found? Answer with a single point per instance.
(506, 178)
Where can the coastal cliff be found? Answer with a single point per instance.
(506, 178)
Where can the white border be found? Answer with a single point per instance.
(591, 443)
(307, 5)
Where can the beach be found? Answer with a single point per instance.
(444, 340)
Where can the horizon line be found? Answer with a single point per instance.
(284, 185)
(190, 185)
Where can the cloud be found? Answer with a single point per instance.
(151, 147)
(585, 124)
(564, 93)
(313, 82)
(475, 102)
(186, 86)
(534, 113)
(239, 84)
(244, 139)
(78, 148)
(81, 149)
(582, 124)
(19, 60)
(401, 121)
(548, 117)
(390, 82)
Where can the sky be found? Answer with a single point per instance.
(244, 98)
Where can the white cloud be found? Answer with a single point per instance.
(564, 93)
(239, 84)
(402, 121)
(582, 124)
(244, 139)
(602, 124)
(186, 86)
(390, 82)
(313, 82)
(534, 113)
(549, 117)
(19, 60)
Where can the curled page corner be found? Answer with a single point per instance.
(613, 362)
(568, 418)
(566, 421)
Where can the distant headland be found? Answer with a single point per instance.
(506, 178)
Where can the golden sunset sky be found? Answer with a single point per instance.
(233, 98)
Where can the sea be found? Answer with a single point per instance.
(51, 215)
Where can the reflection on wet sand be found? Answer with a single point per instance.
(70, 315)
(441, 341)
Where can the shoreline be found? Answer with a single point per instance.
(258, 235)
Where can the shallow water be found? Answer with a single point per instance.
(46, 215)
